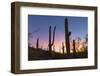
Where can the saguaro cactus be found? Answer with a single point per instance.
(63, 47)
(37, 43)
(74, 50)
(67, 35)
(51, 42)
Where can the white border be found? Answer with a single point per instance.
(25, 64)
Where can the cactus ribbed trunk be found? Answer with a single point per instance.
(63, 47)
(74, 50)
(67, 34)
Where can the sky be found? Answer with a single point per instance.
(38, 26)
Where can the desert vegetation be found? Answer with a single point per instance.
(69, 49)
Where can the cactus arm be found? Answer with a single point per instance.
(69, 33)
(53, 35)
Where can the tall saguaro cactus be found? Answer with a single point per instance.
(67, 35)
(51, 42)
(37, 43)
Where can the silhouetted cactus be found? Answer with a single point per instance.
(37, 43)
(51, 42)
(74, 50)
(63, 47)
(67, 35)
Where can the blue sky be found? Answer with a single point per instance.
(39, 24)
